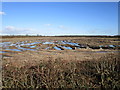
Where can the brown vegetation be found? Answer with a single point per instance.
(79, 68)
(104, 73)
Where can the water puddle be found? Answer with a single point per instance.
(47, 43)
(111, 46)
(32, 46)
(5, 44)
(24, 49)
(66, 47)
(57, 48)
(13, 49)
(28, 44)
(70, 43)
(3, 52)
(58, 45)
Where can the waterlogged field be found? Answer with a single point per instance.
(60, 62)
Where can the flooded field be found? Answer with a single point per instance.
(42, 58)
(37, 48)
(50, 45)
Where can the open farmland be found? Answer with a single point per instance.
(60, 62)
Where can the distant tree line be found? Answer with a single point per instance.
(28, 35)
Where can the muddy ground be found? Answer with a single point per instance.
(31, 58)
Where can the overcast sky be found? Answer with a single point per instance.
(62, 18)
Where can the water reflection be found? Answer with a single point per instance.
(57, 45)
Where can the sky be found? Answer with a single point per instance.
(59, 18)
(60, 0)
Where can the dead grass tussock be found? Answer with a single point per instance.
(58, 73)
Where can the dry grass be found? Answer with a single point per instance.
(81, 68)
(104, 73)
